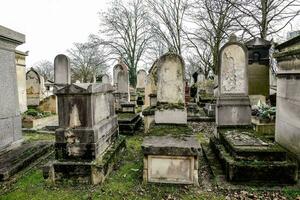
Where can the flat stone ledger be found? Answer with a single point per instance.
(247, 157)
(88, 128)
(129, 123)
(171, 160)
(10, 119)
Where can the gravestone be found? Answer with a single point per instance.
(10, 119)
(151, 84)
(87, 132)
(170, 90)
(141, 79)
(244, 155)
(233, 104)
(33, 87)
(62, 70)
(287, 129)
(121, 84)
(169, 158)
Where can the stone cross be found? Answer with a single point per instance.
(62, 71)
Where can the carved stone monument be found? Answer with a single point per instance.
(88, 130)
(233, 104)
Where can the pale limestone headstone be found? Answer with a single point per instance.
(233, 104)
(233, 75)
(170, 90)
(33, 87)
(170, 83)
(62, 71)
(10, 119)
(121, 77)
(141, 79)
(21, 79)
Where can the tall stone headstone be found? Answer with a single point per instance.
(141, 79)
(287, 130)
(170, 90)
(121, 84)
(10, 119)
(233, 104)
(33, 87)
(62, 70)
(151, 84)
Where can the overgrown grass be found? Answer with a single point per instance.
(124, 183)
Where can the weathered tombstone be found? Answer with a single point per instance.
(233, 104)
(121, 84)
(33, 87)
(169, 158)
(170, 90)
(287, 130)
(87, 140)
(21, 79)
(258, 66)
(141, 79)
(255, 158)
(10, 119)
(62, 70)
(151, 84)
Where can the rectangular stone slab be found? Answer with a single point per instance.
(171, 146)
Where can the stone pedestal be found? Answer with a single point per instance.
(233, 111)
(127, 107)
(171, 160)
(87, 133)
(10, 119)
(120, 98)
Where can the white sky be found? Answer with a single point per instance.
(51, 26)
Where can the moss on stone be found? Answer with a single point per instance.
(174, 130)
(170, 106)
(123, 116)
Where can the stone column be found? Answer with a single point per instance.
(10, 119)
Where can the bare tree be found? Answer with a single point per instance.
(45, 68)
(214, 21)
(87, 61)
(265, 18)
(125, 31)
(167, 21)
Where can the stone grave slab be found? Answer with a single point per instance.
(171, 160)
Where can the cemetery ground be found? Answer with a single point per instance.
(125, 182)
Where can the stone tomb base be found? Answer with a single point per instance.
(91, 172)
(171, 116)
(246, 157)
(129, 123)
(16, 159)
(171, 160)
(233, 110)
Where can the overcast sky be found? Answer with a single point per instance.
(51, 26)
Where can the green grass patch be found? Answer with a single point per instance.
(122, 116)
(39, 136)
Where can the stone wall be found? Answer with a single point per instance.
(287, 131)
(10, 120)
